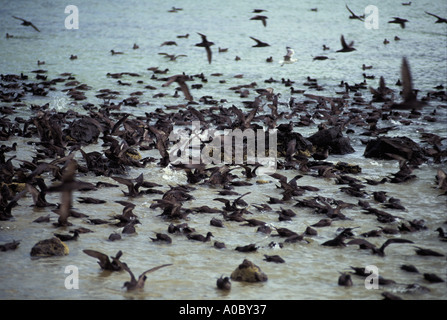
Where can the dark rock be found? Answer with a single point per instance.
(49, 247)
(388, 148)
(333, 139)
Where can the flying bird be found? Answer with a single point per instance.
(172, 57)
(440, 20)
(259, 43)
(354, 16)
(288, 57)
(27, 23)
(399, 21)
(262, 18)
(205, 44)
(410, 100)
(346, 47)
(180, 79)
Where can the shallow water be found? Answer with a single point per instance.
(311, 271)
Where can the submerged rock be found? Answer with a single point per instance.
(249, 272)
(49, 247)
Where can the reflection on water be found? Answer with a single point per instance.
(311, 270)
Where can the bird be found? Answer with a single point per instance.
(440, 20)
(410, 99)
(399, 21)
(139, 284)
(354, 16)
(162, 237)
(427, 252)
(199, 237)
(364, 244)
(27, 23)
(259, 43)
(113, 52)
(68, 237)
(262, 18)
(207, 45)
(345, 280)
(345, 46)
(103, 260)
(172, 57)
(181, 80)
(66, 187)
(273, 258)
(223, 283)
(288, 57)
(168, 43)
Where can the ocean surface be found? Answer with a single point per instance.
(311, 271)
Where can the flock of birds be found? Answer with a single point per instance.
(60, 139)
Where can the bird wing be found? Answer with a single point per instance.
(407, 83)
(124, 181)
(19, 18)
(103, 258)
(142, 277)
(353, 14)
(343, 42)
(185, 90)
(35, 28)
(208, 53)
(434, 15)
(360, 242)
(258, 41)
(397, 240)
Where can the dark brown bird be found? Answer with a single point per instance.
(207, 45)
(199, 237)
(223, 283)
(440, 20)
(9, 246)
(262, 18)
(433, 278)
(399, 21)
(68, 237)
(364, 244)
(410, 100)
(104, 261)
(26, 23)
(162, 237)
(346, 47)
(259, 43)
(354, 16)
(139, 284)
(181, 80)
(273, 258)
(345, 280)
(427, 252)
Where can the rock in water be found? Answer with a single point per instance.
(388, 148)
(49, 247)
(249, 272)
(332, 138)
